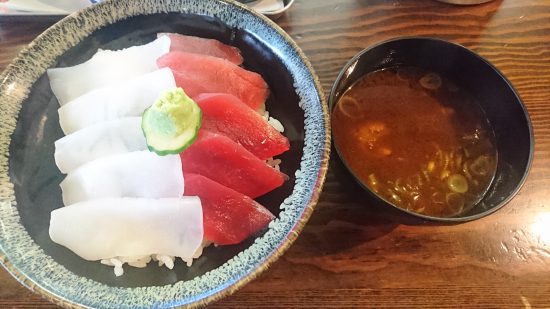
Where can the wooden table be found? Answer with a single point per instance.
(353, 254)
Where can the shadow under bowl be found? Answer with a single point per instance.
(495, 94)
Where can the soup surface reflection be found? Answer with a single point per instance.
(417, 140)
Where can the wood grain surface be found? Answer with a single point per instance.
(354, 253)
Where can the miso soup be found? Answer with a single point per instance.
(416, 140)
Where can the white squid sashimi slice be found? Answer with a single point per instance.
(132, 174)
(108, 228)
(126, 99)
(105, 68)
(100, 140)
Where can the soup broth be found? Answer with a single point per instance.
(417, 140)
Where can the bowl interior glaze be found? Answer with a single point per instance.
(496, 95)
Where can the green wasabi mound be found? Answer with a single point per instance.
(172, 123)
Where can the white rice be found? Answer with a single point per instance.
(142, 261)
(274, 163)
(274, 122)
(279, 127)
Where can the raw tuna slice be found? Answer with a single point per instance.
(229, 217)
(226, 114)
(202, 46)
(200, 74)
(219, 158)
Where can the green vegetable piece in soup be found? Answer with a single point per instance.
(457, 183)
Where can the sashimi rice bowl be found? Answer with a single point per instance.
(156, 154)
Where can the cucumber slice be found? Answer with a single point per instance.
(172, 123)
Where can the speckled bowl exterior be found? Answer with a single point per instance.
(35, 268)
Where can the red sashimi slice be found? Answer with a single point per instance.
(229, 217)
(219, 158)
(198, 74)
(226, 114)
(210, 47)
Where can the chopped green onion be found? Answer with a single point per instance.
(457, 183)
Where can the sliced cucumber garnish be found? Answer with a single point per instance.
(172, 123)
